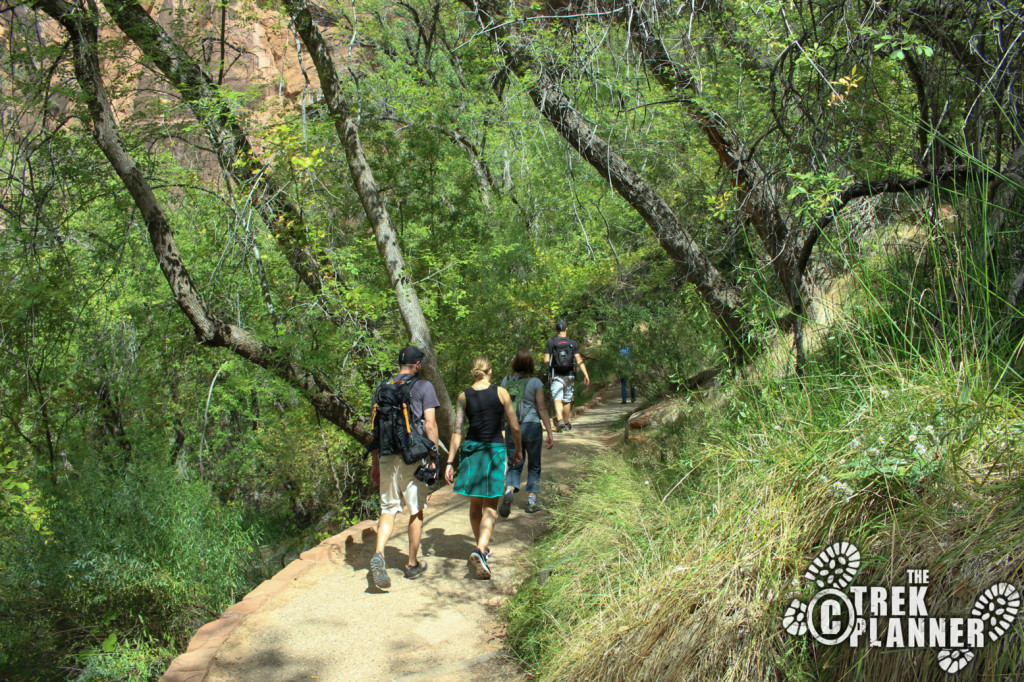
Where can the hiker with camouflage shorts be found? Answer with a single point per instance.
(527, 394)
(562, 356)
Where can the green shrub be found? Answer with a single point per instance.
(130, 661)
(142, 555)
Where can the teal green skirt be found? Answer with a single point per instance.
(481, 469)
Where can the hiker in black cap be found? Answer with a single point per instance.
(562, 355)
(396, 478)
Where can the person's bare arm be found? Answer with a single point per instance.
(430, 424)
(430, 429)
(542, 410)
(513, 423)
(583, 366)
(453, 446)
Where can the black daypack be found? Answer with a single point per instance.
(393, 432)
(563, 360)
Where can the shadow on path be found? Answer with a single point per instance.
(333, 623)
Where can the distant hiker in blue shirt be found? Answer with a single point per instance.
(626, 373)
(527, 394)
(482, 462)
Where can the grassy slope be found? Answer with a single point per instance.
(676, 558)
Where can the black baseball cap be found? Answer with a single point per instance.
(561, 325)
(409, 355)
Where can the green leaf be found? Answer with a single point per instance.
(898, 54)
(109, 643)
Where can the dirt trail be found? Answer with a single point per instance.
(331, 623)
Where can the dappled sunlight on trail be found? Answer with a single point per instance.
(329, 622)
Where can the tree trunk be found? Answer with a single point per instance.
(757, 197)
(366, 188)
(112, 419)
(720, 296)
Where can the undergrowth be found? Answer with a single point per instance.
(121, 574)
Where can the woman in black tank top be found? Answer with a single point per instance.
(482, 462)
(484, 412)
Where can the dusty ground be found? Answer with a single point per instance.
(332, 623)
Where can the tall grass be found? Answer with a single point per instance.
(904, 437)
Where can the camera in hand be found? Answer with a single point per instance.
(425, 473)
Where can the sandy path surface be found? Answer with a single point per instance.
(332, 623)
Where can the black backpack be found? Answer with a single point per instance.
(393, 431)
(563, 360)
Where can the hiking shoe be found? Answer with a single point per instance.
(534, 506)
(378, 569)
(559, 425)
(479, 562)
(413, 572)
(568, 426)
(505, 508)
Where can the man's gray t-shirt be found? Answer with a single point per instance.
(422, 397)
(528, 404)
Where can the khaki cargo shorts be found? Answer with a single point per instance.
(397, 482)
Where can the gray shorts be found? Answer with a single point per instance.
(561, 388)
(397, 482)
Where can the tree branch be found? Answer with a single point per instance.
(210, 330)
(865, 189)
(720, 296)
